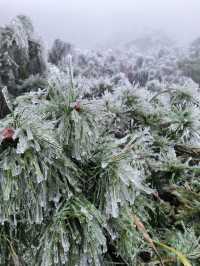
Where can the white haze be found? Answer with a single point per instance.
(87, 23)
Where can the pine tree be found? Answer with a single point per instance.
(110, 179)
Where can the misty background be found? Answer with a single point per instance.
(88, 23)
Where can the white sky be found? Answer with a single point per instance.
(87, 22)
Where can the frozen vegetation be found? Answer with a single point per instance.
(99, 152)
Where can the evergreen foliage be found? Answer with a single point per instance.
(92, 176)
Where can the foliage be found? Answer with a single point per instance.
(59, 51)
(96, 171)
(21, 55)
(190, 65)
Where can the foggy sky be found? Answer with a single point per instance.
(89, 22)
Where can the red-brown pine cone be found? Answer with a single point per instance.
(7, 133)
(77, 107)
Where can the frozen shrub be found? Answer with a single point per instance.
(21, 55)
(59, 51)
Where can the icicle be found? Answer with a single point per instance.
(43, 196)
(64, 258)
(38, 214)
(37, 146)
(22, 145)
(114, 206)
(65, 242)
(39, 175)
(14, 220)
(6, 164)
(29, 217)
(16, 169)
(55, 253)
(7, 191)
(29, 134)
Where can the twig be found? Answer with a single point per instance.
(141, 228)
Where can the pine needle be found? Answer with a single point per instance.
(182, 258)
